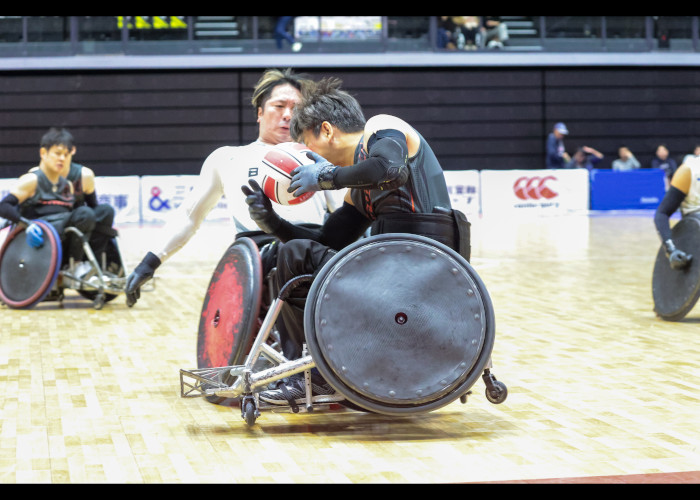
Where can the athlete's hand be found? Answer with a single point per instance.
(35, 236)
(143, 272)
(260, 207)
(316, 176)
(678, 259)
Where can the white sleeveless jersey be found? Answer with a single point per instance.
(223, 173)
(691, 203)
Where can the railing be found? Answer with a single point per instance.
(36, 36)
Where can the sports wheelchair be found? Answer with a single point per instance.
(31, 275)
(397, 324)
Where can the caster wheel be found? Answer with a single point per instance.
(249, 413)
(99, 302)
(498, 393)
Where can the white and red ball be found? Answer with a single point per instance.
(274, 173)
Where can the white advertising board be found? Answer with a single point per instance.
(534, 191)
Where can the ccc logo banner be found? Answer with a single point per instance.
(535, 188)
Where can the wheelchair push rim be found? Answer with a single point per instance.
(27, 274)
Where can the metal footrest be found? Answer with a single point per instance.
(204, 381)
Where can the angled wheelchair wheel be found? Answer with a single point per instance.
(399, 324)
(27, 274)
(676, 291)
(231, 308)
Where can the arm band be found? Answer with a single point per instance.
(385, 168)
(91, 200)
(9, 208)
(669, 204)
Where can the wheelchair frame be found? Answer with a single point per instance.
(97, 284)
(248, 381)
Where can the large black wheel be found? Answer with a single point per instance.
(399, 324)
(27, 274)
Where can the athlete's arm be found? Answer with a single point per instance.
(194, 209)
(391, 142)
(88, 181)
(187, 219)
(680, 186)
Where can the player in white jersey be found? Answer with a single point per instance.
(684, 193)
(228, 168)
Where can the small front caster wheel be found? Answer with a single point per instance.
(497, 392)
(99, 301)
(250, 413)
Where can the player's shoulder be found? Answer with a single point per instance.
(238, 152)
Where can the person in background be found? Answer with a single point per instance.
(663, 161)
(83, 180)
(625, 161)
(694, 154)
(585, 157)
(555, 151)
(44, 194)
(281, 33)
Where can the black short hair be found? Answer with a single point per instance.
(326, 102)
(57, 136)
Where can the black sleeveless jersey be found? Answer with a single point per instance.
(424, 190)
(75, 176)
(49, 198)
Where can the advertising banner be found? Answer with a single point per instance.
(162, 194)
(122, 193)
(463, 187)
(534, 191)
(630, 189)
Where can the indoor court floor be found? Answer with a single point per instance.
(600, 390)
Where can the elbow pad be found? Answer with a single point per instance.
(386, 167)
(9, 208)
(390, 148)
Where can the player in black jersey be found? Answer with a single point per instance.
(83, 180)
(396, 186)
(43, 193)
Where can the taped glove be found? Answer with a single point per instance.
(316, 176)
(677, 258)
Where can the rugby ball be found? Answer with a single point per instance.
(275, 172)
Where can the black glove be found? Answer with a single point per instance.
(677, 258)
(316, 176)
(143, 272)
(260, 208)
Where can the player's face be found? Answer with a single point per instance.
(274, 116)
(318, 144)
(57, 159)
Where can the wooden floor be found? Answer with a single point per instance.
(600, 390)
